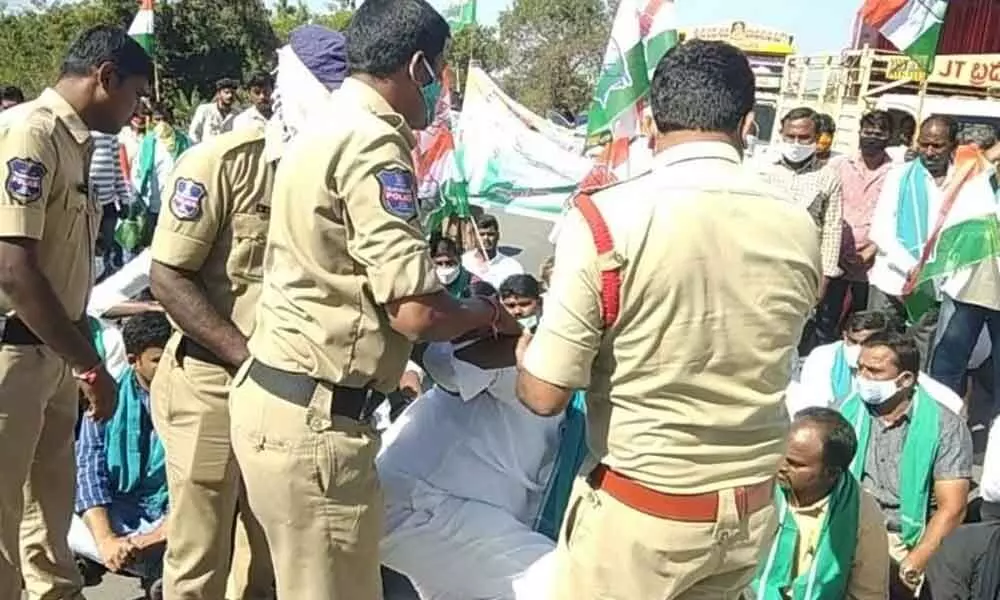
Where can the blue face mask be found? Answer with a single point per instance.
(431, 93)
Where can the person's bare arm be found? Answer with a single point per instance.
(130, 308)
(35, 302)
(438, 317)
(99, 523)
(952, 497)
(186, 302)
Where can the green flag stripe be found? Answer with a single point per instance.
(620, 100)
(924, 48)
(147, 41)
(962, 245)
(656, 47)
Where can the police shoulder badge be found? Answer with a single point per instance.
(186, 201)
(398, 192)
(24, 180)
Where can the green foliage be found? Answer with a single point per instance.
(555, 49)
(286, 16)
(480, 43)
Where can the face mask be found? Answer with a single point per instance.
(431, 92)
(871, 146)
(875, 393)
(446, 275)
(851, 354)
(797, 153)
(937, 165)
(528, 322)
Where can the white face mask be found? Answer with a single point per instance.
(852, 353)
(797, 153)
(875, 393)
(446, 275)
(528, 322)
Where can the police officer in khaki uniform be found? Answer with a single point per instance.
(685, 380)
(348, 283)
(208, 252)
(49, 221)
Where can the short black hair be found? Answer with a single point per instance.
(802, 112)
(840, 443)
(482, 288)
(872, 320)
(442, 245)
(945, 121)
(144, 331)
(488, 222)
(904, 126)
(385, 34)
(702, 86)
(522, 284)
(825, 124)
(11, 93)
(106, 44)
(902, 345)
(226, 83)
(877, 118)
(261, 79)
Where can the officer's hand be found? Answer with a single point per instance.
(115, 552)
(102, 395)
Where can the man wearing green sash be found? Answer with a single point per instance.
(910, 450)
(831, 537)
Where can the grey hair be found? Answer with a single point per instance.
(980, 134)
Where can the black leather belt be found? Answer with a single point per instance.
(298, 388)
(16, 333)
(190, 348)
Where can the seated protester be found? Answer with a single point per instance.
(912, 454)
(827, 377)
(121, 490)
(464, 471)
(448, 266)
(521, 296)
(488, 263)
(965, 566)
(831, 534)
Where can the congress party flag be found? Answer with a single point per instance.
(460, 14)
(913, 26)
(142, 27)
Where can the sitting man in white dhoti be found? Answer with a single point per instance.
(467, 471)
(829, 372)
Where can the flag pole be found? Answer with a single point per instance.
(156, 81)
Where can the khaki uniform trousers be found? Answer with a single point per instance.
(39, 406)
(191, 415)
(609, 551)
(311, 482)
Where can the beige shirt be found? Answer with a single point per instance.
(869, 578)
(686, 389)
(45, 153)
(344, 241)
(215, 221)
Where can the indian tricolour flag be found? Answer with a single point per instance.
(460, 14)
(642, 33)
(962, 232)
(142, 27)
(913, 26)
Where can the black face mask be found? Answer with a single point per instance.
(871, 146)
(936, 165)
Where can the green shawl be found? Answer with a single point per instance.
(916, 469)
(830, 569)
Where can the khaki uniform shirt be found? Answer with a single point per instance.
(45, 153)
(215, 221)
(344, 241)
(686, 389)
(869, 578)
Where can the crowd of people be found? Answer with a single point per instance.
(234, 365)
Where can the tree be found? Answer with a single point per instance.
(555, 49)
(480, 43)
(286, 16)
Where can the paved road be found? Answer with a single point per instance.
(525, 239)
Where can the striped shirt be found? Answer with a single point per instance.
(106, 172)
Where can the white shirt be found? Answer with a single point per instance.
(209, 122)
(251, 118)
(989, 485)
(115, 357)
(814, 387)
(489, 448)
(124, 285)
(494, 272)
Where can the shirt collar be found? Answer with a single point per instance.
(365, 95)
(814, 509)
(858, 162)
(689, 151)
(813, 164)
(65, 113)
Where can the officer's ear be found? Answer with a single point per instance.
(132, 358)
(107, 76)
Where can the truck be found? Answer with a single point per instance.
(848, 85)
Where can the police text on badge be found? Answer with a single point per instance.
(398, 195)
(187, 199)
(24, 179)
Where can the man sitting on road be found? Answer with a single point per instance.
(910, 452)
(831, 536)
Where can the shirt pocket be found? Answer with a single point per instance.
(246, 258)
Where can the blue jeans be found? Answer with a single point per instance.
(950, 360)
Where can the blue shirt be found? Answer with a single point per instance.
(93, 481)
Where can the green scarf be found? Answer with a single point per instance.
(830, 569)
(147, 157)
(840, 375)
(96, 338)
(135, 467)
(460, 287)
(917, 463)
